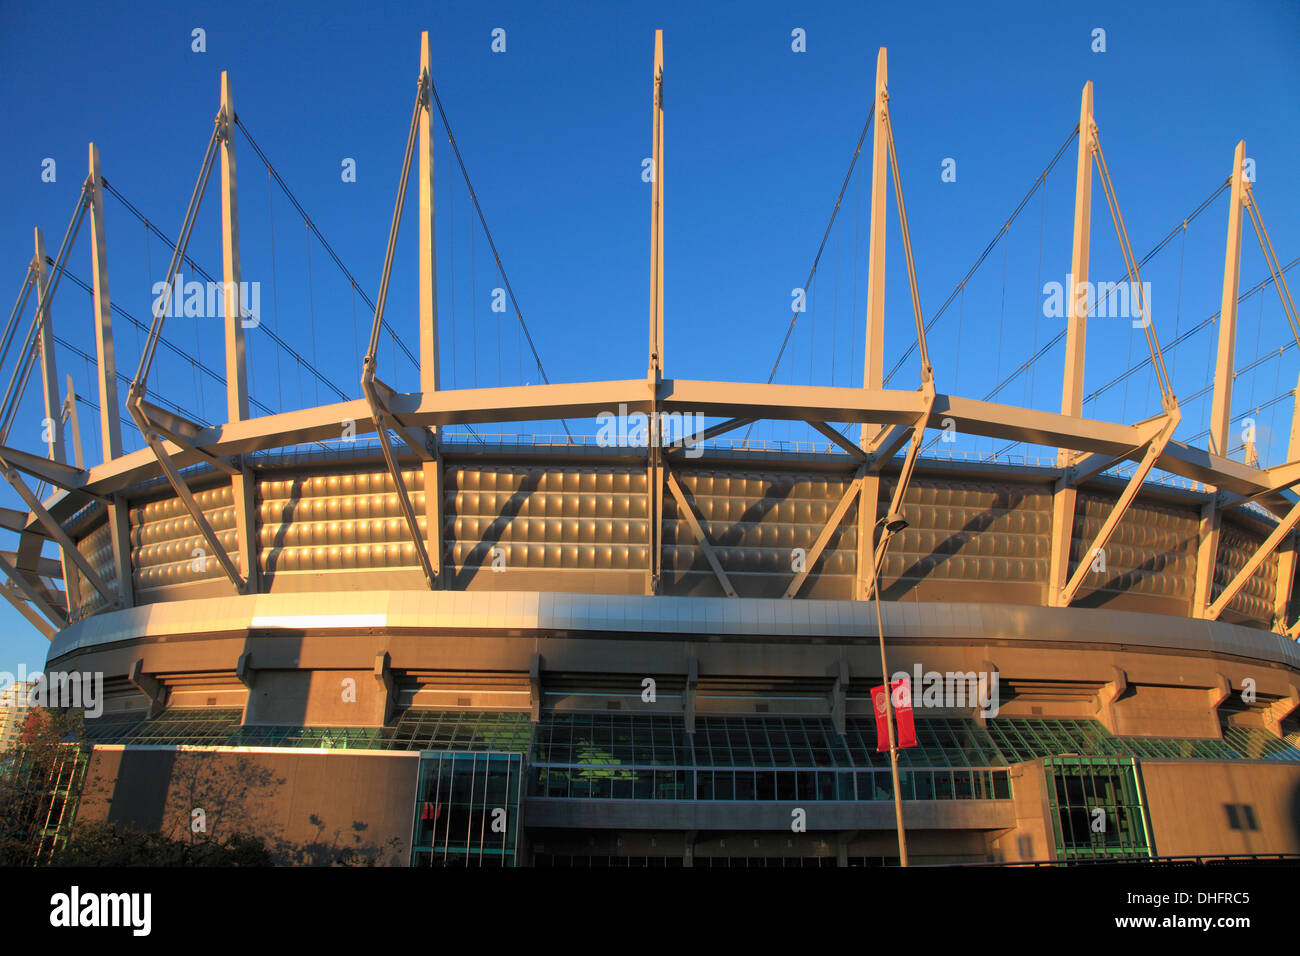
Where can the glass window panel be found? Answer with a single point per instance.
(826, 787)
(643, 786)
(943, 789)
(786, 788)
(623, 786)
(923, 785)
(746, 785)
(963, 788)
(906, 784)
(705, 785)
(845, 787)
(1002, 785)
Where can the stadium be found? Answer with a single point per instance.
(376, 631)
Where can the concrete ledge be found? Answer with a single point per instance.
(489, 613)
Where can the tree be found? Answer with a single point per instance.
(40, 783)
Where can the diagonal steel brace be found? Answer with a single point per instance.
(688, 512)
(1154, 450)
(187, 499)
(51, 524)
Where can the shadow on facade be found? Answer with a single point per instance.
(193, 795)
(460, 578)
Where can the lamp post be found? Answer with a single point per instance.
(893, 522)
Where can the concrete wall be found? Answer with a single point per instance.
(1031, 837)
(312, 808)
(330, 698)
(1154, 711)
(1188, 804)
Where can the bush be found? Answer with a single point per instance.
(107, 844)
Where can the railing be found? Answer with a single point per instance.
(324, 449)
(1126, 469)
(734, 444)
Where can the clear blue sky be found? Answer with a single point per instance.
(758, 139)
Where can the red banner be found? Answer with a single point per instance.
(902, 691)
(903, 713)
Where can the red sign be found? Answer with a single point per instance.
(902, 690)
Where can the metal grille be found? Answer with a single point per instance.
(651, 757)
(941, 742)
(1028, 739)
(417, 729)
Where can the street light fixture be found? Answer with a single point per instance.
(893, 523)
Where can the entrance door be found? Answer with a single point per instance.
(467, 809)
(1097, 808)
